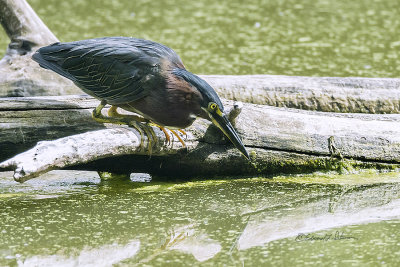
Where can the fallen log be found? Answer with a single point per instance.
(278, 140)
(328, 94)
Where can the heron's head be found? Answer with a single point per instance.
(212, 108)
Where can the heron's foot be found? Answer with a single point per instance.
(144, 129)
(174, 133)
(130, 120)
(112, 112)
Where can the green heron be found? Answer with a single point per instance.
(139, 76)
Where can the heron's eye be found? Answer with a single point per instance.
(212, 106)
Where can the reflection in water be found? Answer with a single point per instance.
(262, 229)
(200, 246)
(187, 240)
(73, 218)
(103, 256)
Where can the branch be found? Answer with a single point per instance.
(328, 94)
(24, 28)
(79, 149)
(19, 74)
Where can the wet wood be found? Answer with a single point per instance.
(278, 140)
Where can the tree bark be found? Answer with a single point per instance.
(278, 140)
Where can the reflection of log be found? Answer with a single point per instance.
(352, 205)
(279, 140)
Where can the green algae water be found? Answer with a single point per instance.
(68, 218)
(284, 37)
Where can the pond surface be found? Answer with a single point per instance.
(284, 37)
(67, 218)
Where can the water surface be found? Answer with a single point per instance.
(65, 218)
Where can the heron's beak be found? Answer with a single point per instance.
(226, 127)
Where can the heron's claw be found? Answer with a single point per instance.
(174, 133)
(183, 132)
(167, 137)
(144, 129)
(179, 138)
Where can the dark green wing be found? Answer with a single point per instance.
(116, 69)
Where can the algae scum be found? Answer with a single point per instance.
(70, 218)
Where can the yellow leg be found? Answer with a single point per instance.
(112, 112)
(167, 136)
(130, 120)
(183, 132)
(164, 131)
(179, 138)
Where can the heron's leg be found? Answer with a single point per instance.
(112, 112)
(99, 117)
(179, 138)
(164, 131)
(183, 132)
(96, 114)
(130, 120)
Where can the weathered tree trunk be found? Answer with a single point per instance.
(19, 74)
(278, 140)
(24, 28)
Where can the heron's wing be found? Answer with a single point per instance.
(118, 70)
